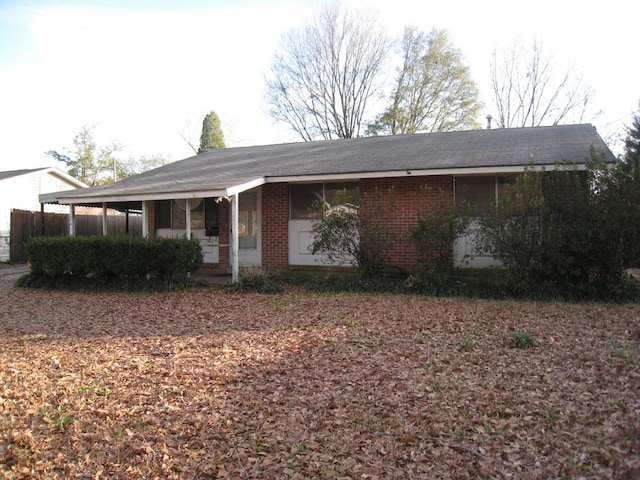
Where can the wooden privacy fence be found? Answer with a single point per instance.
(26, 224)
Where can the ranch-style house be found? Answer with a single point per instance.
(250, 205)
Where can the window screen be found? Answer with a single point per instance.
(171, 214)
(307, 197)
(163, 214)
(476, 194)
(303, 197)
(344, 195)
(211, 216)
(248, 221)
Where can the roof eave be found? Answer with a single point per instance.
(66, 177)
(412, 173)
(67, 197)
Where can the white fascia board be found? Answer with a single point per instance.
(66, 177)
(506, 170)
(392, 174)
(59, 197)
(243, 187)
(60, 174)
(411, 173)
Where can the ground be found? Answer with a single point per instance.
(207, 384)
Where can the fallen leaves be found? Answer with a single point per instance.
(205, 384)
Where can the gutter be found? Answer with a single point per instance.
(65, 198)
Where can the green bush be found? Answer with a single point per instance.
(116, 261)
(254, 279)
(572, 230)
(347, 235)
(437, 229)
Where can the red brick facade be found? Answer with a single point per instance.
(275, 226)
(407, 196)
(223, 227)
(151, 218)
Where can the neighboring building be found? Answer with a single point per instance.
(20, 190)
(249, 205)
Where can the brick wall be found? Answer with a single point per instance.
(223, 239)
(151, 218)
(275, 226)
(407, 196)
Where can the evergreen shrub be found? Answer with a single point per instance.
(114, 261)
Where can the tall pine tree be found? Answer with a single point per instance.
(212, 136)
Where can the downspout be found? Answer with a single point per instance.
(187, 218)
(235, 250)
(105, 219)
(72, 220)
(145, 219)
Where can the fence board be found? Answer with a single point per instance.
(26, 224)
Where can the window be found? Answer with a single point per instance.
(304, 198)
(475, 193)
(178, 214)
(341, 195)
(211, 217)
(479, 193)
(248, 221)
(204, 214)
(163, 214)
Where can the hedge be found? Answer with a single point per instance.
(105, 259)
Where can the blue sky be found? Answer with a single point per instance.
(146, 72)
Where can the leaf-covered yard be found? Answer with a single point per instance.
(207, 384)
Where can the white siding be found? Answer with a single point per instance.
(467, 255)
(210, 245)
(22, 193)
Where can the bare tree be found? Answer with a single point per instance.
(529, 91)
(188, 138)
(434, 91)
(326, 73)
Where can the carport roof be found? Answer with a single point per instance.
(226, 171)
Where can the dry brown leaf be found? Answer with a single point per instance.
(206, 384)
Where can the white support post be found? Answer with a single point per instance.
(72, 220)
(145, 220)
(105, 220)
(187, 218)
(235, 247)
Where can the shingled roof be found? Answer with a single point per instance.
(220, 172)
(17, 173)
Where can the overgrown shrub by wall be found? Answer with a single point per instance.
(125, 261)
